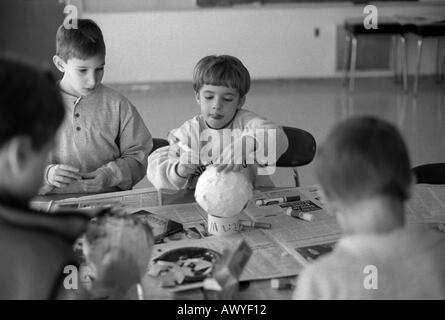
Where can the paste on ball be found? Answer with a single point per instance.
(223, 194)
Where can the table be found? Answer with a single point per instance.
(248, 290)
(427, 205)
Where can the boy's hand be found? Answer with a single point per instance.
(61, 175)
(95, 181)
(188, 163)
(186, 170)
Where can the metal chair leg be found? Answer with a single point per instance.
(296, 177)
(419, 56)
(394, 55)
(443, 69)
(404, 55)
(346, 57)
(353, 63)
(438, 67)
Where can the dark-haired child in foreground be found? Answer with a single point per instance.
(36, 248)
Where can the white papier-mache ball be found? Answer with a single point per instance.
(223, 194)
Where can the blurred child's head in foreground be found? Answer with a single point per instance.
(362, 159)
(221, 84)
(80, 55)
(31, 111)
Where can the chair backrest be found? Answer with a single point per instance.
(158, 143)
(432, 173)
(301, 150)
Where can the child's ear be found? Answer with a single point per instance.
(197, 97)
(59, 63)
(241, 102)
(19, 154)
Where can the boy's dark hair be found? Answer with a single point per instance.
(363, 157)
(82, 42)
(221, 70)
(30, 103)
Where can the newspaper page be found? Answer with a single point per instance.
(308, 240)
(293, 233)
(131, 199)
(268, 260)
(427, 204)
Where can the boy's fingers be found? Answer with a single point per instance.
(89, 182)
(63, 180)
(89, 175)
(58, 185)
(89, 188)
(68, 167)
(69, 174)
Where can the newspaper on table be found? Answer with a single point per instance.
(427, 204)
(274, 250)
(129, 200)
(308, 239)
(291, 233)
(277, 252)
(269, 258)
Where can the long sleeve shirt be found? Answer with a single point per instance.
(407, 263)
(102, 130)
(35, 249)
(194, 135)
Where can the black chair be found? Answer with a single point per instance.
(301, 150)
(432, 173)
(158, 143)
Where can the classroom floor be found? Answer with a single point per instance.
(313, 105)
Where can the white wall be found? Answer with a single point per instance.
(275, 41)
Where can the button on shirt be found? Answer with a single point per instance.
(103, 129)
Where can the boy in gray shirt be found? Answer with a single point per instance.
(103, 143)
(364, 173)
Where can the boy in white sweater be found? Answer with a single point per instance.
(222, 134)
(364, 173)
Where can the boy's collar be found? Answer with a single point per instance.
(66, 92)
(76, 96)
